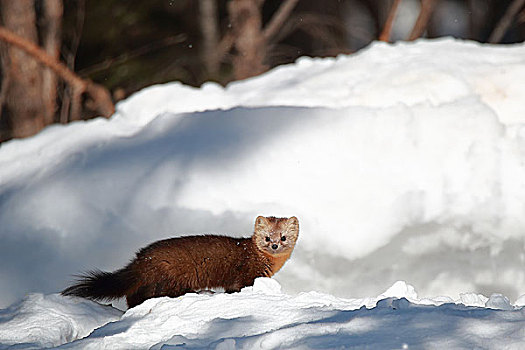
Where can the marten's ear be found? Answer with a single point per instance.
(260, 221)
(293, 221)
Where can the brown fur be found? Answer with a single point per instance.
(176, 266)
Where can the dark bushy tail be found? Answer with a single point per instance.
(100, 285)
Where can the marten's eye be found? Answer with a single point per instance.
(267, 239)
(283, 238)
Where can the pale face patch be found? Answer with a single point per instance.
(276, 236)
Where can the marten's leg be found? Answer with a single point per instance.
(233, 288)
(159, 289)
(138, 296)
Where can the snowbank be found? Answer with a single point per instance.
(434, 72)
(261, 317)
(40, 321)
(402, 162)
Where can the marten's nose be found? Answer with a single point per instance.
(274, 246)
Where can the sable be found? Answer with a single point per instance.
(175, 266)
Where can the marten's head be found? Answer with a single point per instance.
(276, 236)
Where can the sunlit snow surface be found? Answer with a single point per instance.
(402, 162)
(262, 317)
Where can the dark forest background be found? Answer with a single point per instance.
(69, 60)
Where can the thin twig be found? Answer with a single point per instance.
(505, 21)
(389, 24)
(427, 7)
(40, 55)
(303, 20)
(278, 19)
(107, 63)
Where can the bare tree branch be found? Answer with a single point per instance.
(389, 24)
(427, 7)
(278, 19)
(319, 27)
(505, 21)
(152, 46)
(101, 97)
(305, 20)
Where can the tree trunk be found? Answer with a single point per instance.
(250, 44)
(24, 106)
(209, 18)
(52, 13)
(99, 99)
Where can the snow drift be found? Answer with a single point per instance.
(402, 162)
(262, 317)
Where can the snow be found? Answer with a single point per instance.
(402, 162)
(262, 317)
(48, 320)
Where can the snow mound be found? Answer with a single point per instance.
(402, 162)
(261, 317)
(433, 72)
(40, 321)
